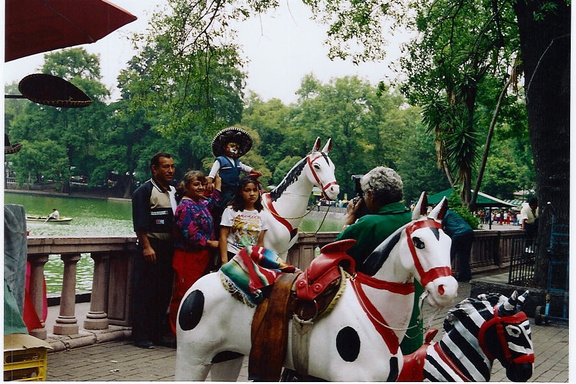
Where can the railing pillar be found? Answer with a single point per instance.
(37, 263)
(97, 318)
(66, 323)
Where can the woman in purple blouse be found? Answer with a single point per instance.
(194, 236)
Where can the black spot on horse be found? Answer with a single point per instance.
(191, 310)
(225, 356)
(348, 344)
(394, 370)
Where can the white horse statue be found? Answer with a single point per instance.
(358, 340)
(476, 332)
(288, 202)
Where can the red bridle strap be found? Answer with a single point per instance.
(399, 288)
(434, 273)
(500, 333)
(310, 165)
(267, 200)
(375, 317)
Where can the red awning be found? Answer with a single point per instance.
(34, 26)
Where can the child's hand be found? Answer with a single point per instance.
(254, 173)
(210, 185)
(218, 182)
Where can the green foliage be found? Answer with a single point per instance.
(455, 68)
(417, 164)
(185, 84)
(506, 172)
(40, 161)
(184, 77)
(455, 204)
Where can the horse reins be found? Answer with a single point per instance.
(323, 187)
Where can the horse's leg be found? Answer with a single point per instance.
(227, 370)
(187, 371)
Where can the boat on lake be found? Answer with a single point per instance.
(46, 219)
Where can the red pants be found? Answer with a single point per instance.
(188, 267)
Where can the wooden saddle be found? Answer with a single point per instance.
(304, 296)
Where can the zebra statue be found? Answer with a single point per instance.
(476, 332)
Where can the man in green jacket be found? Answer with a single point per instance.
(382, 194)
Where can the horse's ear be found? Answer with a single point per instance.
(509, 306)
(316, 145)
(521, 300)
(328, 146)
(440, 210)
(421, 206)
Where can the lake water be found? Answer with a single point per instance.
(97, 217)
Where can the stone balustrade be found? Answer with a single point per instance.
(113, 256)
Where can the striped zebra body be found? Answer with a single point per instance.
(476, 332)
(458, 356)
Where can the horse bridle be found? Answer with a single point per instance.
(498, 322)
(434, 273)
(310, 161)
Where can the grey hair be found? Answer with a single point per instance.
(385, 184)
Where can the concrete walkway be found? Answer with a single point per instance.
(108, 357)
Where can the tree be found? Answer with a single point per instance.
(188, 78)
(545, 31)
(460, 47)
(40, 161)
(417, 164)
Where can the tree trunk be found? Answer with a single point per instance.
(545, 49)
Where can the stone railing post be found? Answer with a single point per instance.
(66, 323)
(37, 263)
(97, 318)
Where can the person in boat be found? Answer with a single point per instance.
(55, 215)
(381, 195)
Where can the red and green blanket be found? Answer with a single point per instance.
(252, 269)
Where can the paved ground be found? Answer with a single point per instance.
(121, 361)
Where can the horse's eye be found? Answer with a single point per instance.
(418, 243)
(513, 330)
(316, 166)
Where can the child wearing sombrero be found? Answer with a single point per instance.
(228, 146)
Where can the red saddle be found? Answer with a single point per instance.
(324, 270)
(413, 368)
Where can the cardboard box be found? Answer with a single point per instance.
(25, 357)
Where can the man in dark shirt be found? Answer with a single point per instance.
(153, 206)
(382, 193)
(462, 236)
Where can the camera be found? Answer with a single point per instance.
(362, 209)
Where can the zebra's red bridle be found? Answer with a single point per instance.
(498, 322)
(323, 187)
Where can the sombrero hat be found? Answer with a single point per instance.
(228, 135)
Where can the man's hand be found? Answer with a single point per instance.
(352, 208)
(149, 254)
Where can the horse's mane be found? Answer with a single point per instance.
(288, 180)
(380, 254)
